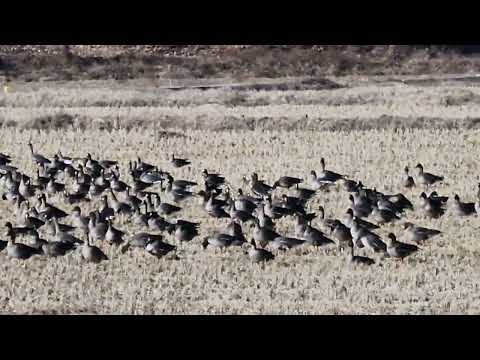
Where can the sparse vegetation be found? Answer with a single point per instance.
(369, 131)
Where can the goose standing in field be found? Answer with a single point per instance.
(19, 251)
(341, 234)
(303, 193)
(328, 176)
(431, 208)
(140, 240)
(425, 178)
(360, 209)
(322, 221)
(113, 235)
(263, 235)
(359, 260)
(417, 233)
(383, 216)
(285, 243)
(221, 240)
(287, 182)
(350, 218)
(212, 180)
(91, 253)
(178, 163)
(315, 237)
(259, 187)
(37, 158)
(259, 255)
(96, 227)
(186, 231)
(407, 181)
(462, 209)
(165, 208)
(397, 249)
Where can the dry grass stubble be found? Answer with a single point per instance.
(442, 278)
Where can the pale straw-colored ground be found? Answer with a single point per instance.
(442, 278)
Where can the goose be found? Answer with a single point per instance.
(158, 248)
(143, 166)
(211, 179)
(131, 200)
(287, 182)
(157, 223)
(259, 255)
(140, 218)
(220, 240)
(264, 220)
(357, 232)
(294, 203)
(371, 241)
(360, 260)
(78, 220)
(186, 231)
(39, 159)
(48, 211)
(25, 189)
(218, 212)
(435, 197)
(166, 208)
(54, 248)
(383, 216)
(325, 223)
(285, 243)
(235, 229)
(407, 181)
(243, 203)
(61, 236)
(258, 187)
(349, 185)
(350, 218)
(106, 212)
(149, 177)
(327, 175)
(425, 178)
(417, 233)
(32, 222)
(118, 206)
(399, 200)
(300, 225)
(118, 185)
(140, 240)
(96, 228)
(20, 251)
(91, 253)
(304, 193)
(431, 208)
(462, 209)
(75, 198)
(179, 184)
(360, 209)
(276, 212)
(397, 249)
(263, 235)
(315, 237)
(317, 183)
(113, 235)
(341, 234)
(385, 204)
(239, 215)
(177, 195)
(18, 230)
(178, 163)
(52, 225)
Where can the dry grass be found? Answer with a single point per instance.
(442, 278)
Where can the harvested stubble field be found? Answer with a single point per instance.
(207, 127)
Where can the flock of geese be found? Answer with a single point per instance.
(84, 180)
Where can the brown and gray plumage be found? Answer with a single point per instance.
(20, 251)
(287, 182)
(360, 260)
(417, 233)
(407, 181)
(461, 208)
(178, 162)
(259, 255)
(398, 249)
(91, 253)
(425, 178)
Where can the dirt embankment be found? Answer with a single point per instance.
(75, 62)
